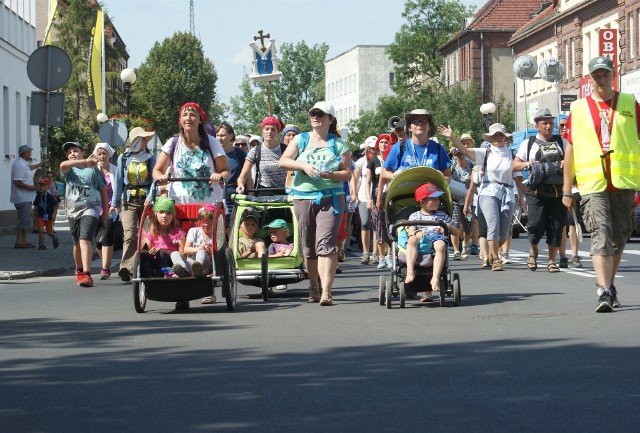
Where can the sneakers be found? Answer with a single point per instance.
(382, 264)
(280, 288)
(496, 265)
(78, 275)
(374, 258)
(575, 262)
(196, 269)
(338, 270)
(614, 297)
(342, 256)
(105, 273)
(465, 253)
(604, 303)
(180, 271)
(474, 250)
(209, 299)
(564, 262)
(365, 259)
(84, 280)
(505, 259)
(124, 275)
(388, 261)
(456, 255)
(485, 263)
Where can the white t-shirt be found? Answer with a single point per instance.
(362, 190)
(20, 171)
(522, 150)
(498, 172)
(194, 163)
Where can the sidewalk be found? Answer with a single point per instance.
(31, 263)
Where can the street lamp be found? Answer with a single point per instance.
(128, 77)
(101, 118)
(487, 111)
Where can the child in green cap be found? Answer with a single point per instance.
(279, 232)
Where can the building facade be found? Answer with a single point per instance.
(479, 53)
(355, 79)
(17, 42)
(574, 31)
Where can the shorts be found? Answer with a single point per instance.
(342, 231)
(46, 225)
(609, 216)
(106, 235)
(365, 216)
(425, 244)
(319, 225)
(460, 220)
(25, 221)
(84, 228)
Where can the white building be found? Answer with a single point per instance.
(356, 79)
(17, 42)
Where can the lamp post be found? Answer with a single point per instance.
(101, 118)
(128, 77)
(487, 111)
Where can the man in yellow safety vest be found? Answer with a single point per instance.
(604, 155)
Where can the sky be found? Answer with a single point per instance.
(227, 27)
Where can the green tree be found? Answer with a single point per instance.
(301, 86)
(430, 23)
(174, 72)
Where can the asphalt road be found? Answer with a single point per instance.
(524, 352)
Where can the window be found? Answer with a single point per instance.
(573, 56)
(392, 78)
(632, 35)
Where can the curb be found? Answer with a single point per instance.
(23, 275)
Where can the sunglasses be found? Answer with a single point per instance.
(419, 122)
(563, 124)
(240, 144)
(317, 114)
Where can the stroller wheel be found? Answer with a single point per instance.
(403, 295)
(443, 293)
(381, 289)
(457, 294)
(387, 289)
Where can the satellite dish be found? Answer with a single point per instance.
(551, 70)
(525, 67)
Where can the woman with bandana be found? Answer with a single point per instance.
(131, 187)
(193, 153)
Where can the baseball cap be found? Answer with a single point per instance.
(278, 223)
(43, 182)
(69, 144)
(325, 107)
(427, 190)
(24, 148)
(600, 62)
(249, 213)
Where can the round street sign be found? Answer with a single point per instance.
(113, 132)
(53, 77)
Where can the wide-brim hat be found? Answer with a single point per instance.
(69, 144)
(408, 117)
(138, 131)
(466, 136)
(543, 113)
(494, 129)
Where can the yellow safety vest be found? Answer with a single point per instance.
(625, 149)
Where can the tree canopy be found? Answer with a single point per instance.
(430, 24)
(174, 72)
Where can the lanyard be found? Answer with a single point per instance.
(43, 202)
(424, 155)
(608, 120)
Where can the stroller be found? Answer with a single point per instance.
(399, 204)
(266, 272)
(187, 288)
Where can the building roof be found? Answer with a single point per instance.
(546, 15)
(354, 48)
(501, 16)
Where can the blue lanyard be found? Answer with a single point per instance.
(43, 202)
(424, 155)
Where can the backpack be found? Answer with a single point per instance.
(257, 162)
(546, 172)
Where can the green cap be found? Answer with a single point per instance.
(278, 224)
(164, 204)
(600, 62)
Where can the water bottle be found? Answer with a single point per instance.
(113, 215)
(469, 216)
(351, 203)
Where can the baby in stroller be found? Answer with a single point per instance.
(427, 239)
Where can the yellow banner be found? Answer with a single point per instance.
(53, 12)
(94, 81)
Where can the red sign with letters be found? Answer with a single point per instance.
(608, 47)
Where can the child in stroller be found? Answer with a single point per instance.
(427, 239)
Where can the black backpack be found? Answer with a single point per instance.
(256, 185)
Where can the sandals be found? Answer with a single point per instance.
(23, 246)
(496, 266)
(326, 300)
(56, 242)
(314, 295)
(552, 267)
(42, 247)
(532, 263)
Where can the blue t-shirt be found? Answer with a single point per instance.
(432, 155)
(236, 160)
